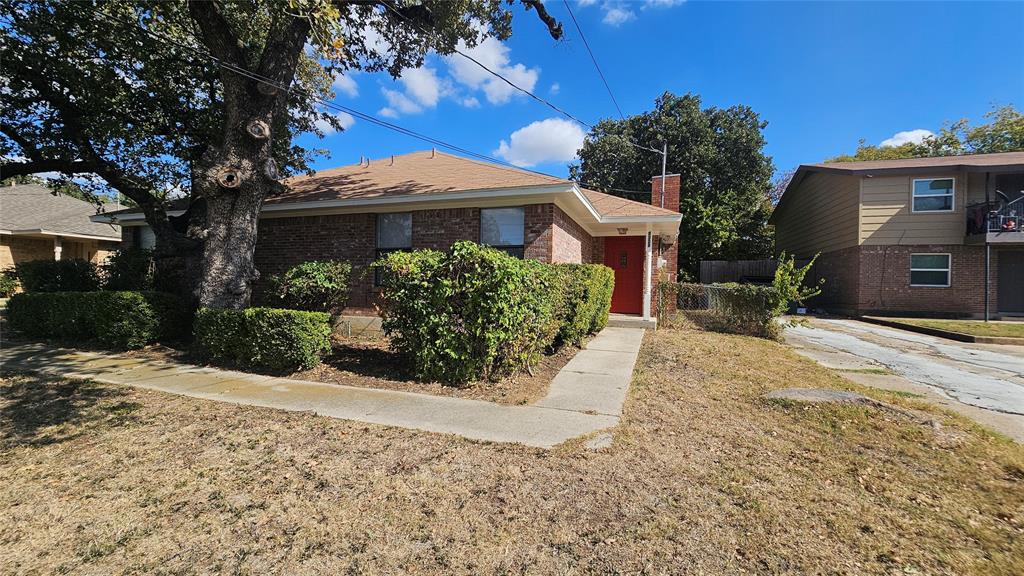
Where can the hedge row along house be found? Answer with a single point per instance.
(922, 236)
(36, 224)
(430, 199)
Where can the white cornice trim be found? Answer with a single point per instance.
(44, 232)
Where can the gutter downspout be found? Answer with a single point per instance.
(988, 249)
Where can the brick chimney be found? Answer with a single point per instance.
(671, 192)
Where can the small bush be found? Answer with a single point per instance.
(57, 275)
(8, 284)
(475, 312)
(263, 339)
(119, 320)
(130, 269)
(318, 286)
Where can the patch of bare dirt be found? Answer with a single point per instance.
(370, 363)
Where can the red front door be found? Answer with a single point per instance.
(625, 255)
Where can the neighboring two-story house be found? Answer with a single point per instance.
(923, 236)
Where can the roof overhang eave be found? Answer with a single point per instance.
(43, 233)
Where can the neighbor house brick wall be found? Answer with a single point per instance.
(840, 271)
(885, 281)
(570, 242)
(14, 249)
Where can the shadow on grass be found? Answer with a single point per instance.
(37, 411)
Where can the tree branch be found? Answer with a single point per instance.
(11, 169)
(554, 26)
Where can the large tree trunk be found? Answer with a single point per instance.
(232, 215)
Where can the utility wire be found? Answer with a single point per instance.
(594, 59)
(332, 105)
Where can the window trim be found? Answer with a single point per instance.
(951, 195)
(506, 248)
(948, 269)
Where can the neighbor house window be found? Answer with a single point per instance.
(929, 270)
(933, 195)
(503, 228)
(394, 234)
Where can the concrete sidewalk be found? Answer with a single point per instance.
(585, 396)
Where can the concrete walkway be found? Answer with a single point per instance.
(982, 381)
(586, 396)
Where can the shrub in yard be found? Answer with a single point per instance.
(118, 320)
(8, 284)
(57, 275)
(263, 339)
(318, 286)
(130, 269)
(583, 299)
(475, 312)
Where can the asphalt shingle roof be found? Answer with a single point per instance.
(34, 208)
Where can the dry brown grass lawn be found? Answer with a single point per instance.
(704, 477)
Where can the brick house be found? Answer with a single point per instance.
(431, 199)
(35, 224)
(924, 236)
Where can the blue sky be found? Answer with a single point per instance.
(823, 75)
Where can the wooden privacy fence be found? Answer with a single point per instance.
(717, 271)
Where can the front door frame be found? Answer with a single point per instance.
(647, 241)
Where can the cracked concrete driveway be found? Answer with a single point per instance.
(983, 382)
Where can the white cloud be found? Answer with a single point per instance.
(662, 3)
(916, 136)
(423, 85)
(399, 103)
(345, 119)
(617, 15)
(344, 84)
(470, 102)
(585, 3)
(387, 112)
(495, 55)
(551, 140)
(555, 89)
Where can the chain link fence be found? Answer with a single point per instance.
(735, 308)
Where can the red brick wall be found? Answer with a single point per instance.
(841, 271)
(439, 229)
(597, 254)
(672, 184)
(539, 235)
(570, 242)
(885, 281)
(285, 242)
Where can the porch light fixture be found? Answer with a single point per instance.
(622, 231)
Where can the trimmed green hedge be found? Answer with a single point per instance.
(69, 275)
(120, 320)
(267, 339)
(475, 312)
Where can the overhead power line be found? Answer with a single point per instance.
(352, 111)
(594, 59)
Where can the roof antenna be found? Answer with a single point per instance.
(360, 159)
(392, 160)
(432, 151)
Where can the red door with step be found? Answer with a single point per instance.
(625, 255)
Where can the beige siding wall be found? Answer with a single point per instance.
(976, 188)
(820, 217)
(886, 216)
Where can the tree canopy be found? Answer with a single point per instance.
(203, 100)
(1003, 133)
(725, 175)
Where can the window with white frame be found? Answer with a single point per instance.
(934, 195)
(929, 270)
(503, 228)
(394, 234)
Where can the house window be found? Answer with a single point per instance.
(929, 270)
(933, 195)
(394, 234)
(503, 229)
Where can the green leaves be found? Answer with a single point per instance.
(725, 175)
(264, 339)
(475, 312)
(318, 285)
